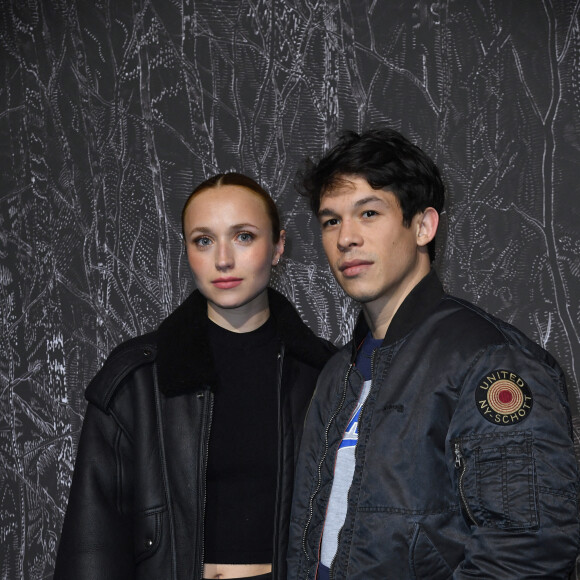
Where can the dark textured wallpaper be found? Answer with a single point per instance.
(111, 111)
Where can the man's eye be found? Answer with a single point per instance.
(202, 241)
(245, 237)
(329, 222)
(369, 213)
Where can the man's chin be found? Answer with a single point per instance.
(358, 288)
(361, 296)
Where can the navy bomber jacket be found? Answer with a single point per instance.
(136, 506)
(464, 465)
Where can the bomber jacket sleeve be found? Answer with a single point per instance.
(96, 539)
(510, 450)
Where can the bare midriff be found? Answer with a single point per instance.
(223, 571)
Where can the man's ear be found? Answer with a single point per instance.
(427, 223)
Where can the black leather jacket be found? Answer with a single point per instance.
(136, 505)
(464, 464)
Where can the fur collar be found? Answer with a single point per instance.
(184, 359)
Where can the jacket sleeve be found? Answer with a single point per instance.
(96, 538)
(512, 456)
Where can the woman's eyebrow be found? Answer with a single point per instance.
(233, 227)
(243, 226)
(200, 229)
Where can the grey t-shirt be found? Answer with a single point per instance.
(345, 460)
(343, 474)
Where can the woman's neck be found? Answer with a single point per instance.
(244, 318)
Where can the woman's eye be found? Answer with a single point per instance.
(202, 241)
(245, 237)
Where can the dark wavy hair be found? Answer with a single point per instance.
(240, 180)
(387, 160)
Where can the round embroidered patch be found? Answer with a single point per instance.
(503, 398)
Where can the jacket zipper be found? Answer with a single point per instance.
(203, 476)
(311, 502)
(461, 464)
(161, 437)
(360, 417)
(280, 461)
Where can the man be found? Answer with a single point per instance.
(438, 442)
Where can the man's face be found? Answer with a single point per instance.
(374, 257)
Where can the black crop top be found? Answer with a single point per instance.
(243, 447)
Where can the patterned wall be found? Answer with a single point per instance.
(112, 110)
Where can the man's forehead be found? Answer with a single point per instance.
(343, 183)
(354, 185)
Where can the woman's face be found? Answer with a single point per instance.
(228, 237)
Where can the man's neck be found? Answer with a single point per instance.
(379, 313)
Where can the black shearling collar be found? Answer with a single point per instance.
(184, 359)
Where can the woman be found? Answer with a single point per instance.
(186, 459)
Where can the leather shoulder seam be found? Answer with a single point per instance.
(123, 360)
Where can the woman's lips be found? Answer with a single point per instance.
(225, 283)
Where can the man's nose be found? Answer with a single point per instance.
(348, 236)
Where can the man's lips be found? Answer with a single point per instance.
(354, 267)
(225, 283)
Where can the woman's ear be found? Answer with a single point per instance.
(427, 225)
(279, 248)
